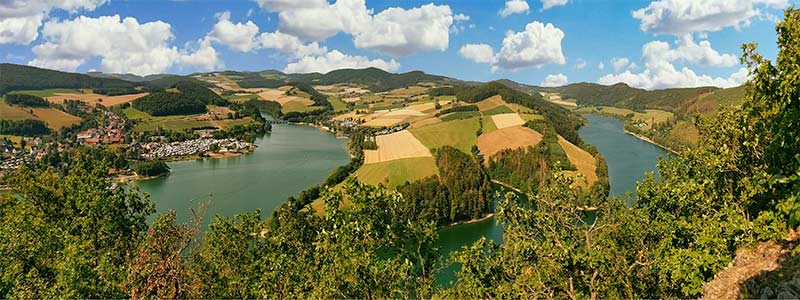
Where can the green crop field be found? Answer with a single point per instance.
(46, 93)
(146, 122)
(460, 115)
(459, 134)
(488, 125)
(296, 106)
(502, 109)
(396, 172)
(338, 104)
(226, 124)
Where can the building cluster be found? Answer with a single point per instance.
(193, 147)
(392, 129)
(112, 133)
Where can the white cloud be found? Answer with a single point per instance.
(580, 64)
(619, 63)
(334, 60)
(661, 72)
(601, 66)
(680, 17)
(396, 31)
(553, 80)
(402, 32)
(289, 44)
(479, 53)
(20, 20)
(515, 7)
(547, 4)
(537, 45)
(123, 46)
(238, 36)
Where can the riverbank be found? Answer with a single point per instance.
(647, 139)
(478, 220)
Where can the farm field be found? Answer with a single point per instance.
(488, 125)
(47, 92)
(459, 134)
(460, 115)
(338, 104)
(297, 106)
(398, 145)
(556, 98)
(9, 112)
(507, 138)
(146, 122)
(227, 124)
(582, 160)
(54, 118)
(396, 172)
(425, 122)
(507, 120)
(502, 109)
(93, 98)
(684, 131)
(490, 103)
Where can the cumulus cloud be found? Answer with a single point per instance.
(660, 71)
(123, 46)
(619, 63)
(680, 17)
(553, 80)
(290, 44)
(580, 64)
(20, 20)
(395, 31)
(479, 53)
(334, 60)
(401, 32)
(547, 4)
(537, 45)
(515, 7)
(238, 36)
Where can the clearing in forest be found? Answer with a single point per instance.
(507, 120)
(93, 98)
(582, 160)
(396, 172)
(507, 138)
(398, 145)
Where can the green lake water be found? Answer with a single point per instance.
(289, 160)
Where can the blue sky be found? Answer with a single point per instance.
(689, 43)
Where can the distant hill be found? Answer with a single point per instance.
(128, 76)
(18, 77)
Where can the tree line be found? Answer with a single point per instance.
(26, 100)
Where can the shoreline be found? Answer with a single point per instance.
(484, 218)
(209, 155)
(647, 139)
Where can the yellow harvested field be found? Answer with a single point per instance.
(398, 145)
(351, 99)
(583, 161)
(407, 91)
(384, 122)
(10, 112)
(507, 120)
(531, 117)
(93, 98)
(507, 138)
(520, 109)
(491, 102)
(403, 112)
(423, 107)
(54, 118)
(268, 94)
(425, 122)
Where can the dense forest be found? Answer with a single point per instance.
(19, 77)
(200, 93)
(27, 127)
(72, 235)
(150, 168)
(26, 100)
(168, 103)
(460, 192)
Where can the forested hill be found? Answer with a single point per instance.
(128, 76)
(676, 100)
(376, 80)
(18, 77)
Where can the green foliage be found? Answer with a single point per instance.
(550, 149)
(168, 103)
(375, 79)
(27, 127)
(200, 93)
(19, 77)
(26, 100)
(318, 98)
(168, 81)
(150, 168)
(459, 108)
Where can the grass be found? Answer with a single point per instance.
(396, 172)
(502, 109)
(459, 134)
(531, 117)
(684, 131)
(386, 105)
(226, 124)
(17, 140)
(146, 122)
(240, 98)
(338, 104)
(46, 93)
(54, 118)
(460, 115)
(296, 106)
(8, 112)
(488, 125)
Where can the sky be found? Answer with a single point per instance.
(646, 44)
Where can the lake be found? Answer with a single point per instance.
(289, 160)
(627, 157)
